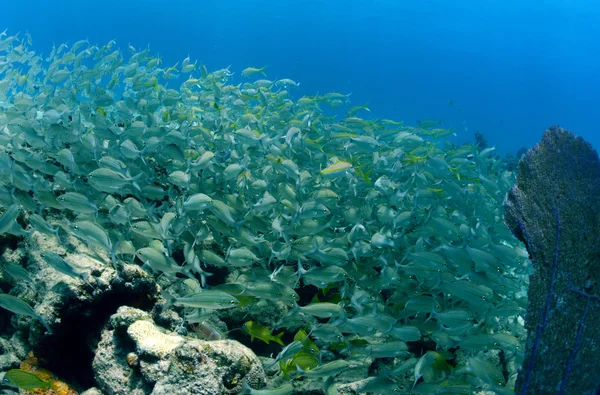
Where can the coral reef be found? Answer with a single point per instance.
(75, 312)
(168, 363)
(554, 208)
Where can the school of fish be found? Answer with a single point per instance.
(394, 233)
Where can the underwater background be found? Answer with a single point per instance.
(510, 68)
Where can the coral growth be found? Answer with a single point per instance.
(554, 208)
(31, 364)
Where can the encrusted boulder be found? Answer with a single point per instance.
(75, 311)
(554, 208)
(135, 356)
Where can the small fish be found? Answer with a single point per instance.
(321, 310)
(256, 330)
(158, 261)
(17, 272)
(208, 331)
(9, 218)
(485, 370)
(380, 385)
(40, 224)
(423, 364)
(240, 257)
(321, 276)
(77, 202)
(428, 124)
(285, 389)
(94, 235)
(272, 291)
(335, 170)
(387, 350)
(329, 369)
(287, 352)
(197, 202)
(25, 380)
(285, 82)
(307, 344)
(353, 110)
(17, 306)
(59, 264)
(302, 360)
(209, 299)
(110, 181)
(250, 71)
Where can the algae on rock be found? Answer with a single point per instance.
(554, 208)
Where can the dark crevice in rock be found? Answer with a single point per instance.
(69, 351)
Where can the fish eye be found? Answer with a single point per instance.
(232, 302)
(6, 381)
(312, 350)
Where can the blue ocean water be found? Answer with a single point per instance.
(509, 69)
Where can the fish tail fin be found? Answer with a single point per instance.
(277, 339)
(113, 255)
(299, 370)
(55, 232)
(294, 310)
(228, 253)
(168, 297)
(11, 169)
(136, 177)
(301, 270)
(45, 324)
(238, 224)
(315, 247)
(246, 389)
(83, 278)
(136, 186)
(342, 318)
(262, 71)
